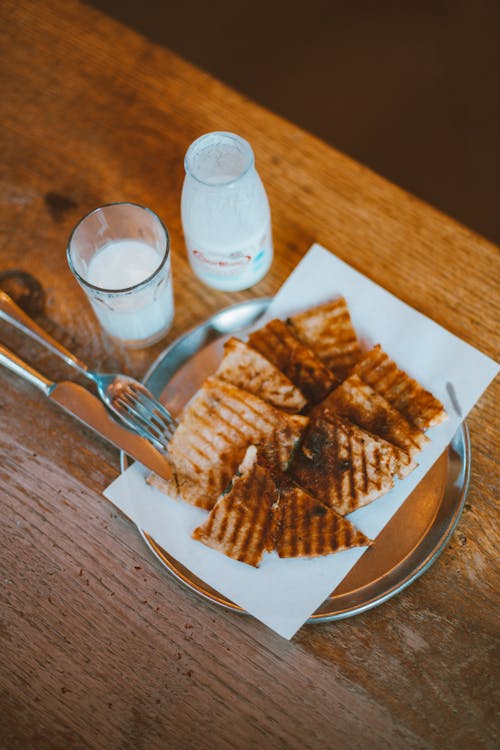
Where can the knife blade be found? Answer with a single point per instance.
(88, 409)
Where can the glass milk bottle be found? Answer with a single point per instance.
(225, 213)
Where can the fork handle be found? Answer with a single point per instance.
(13, 314)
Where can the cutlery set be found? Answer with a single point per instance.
(127, 414)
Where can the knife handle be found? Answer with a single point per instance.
(16, 364)
(13, 314)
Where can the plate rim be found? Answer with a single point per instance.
(209, 331)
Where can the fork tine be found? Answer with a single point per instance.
(152, 404)
(140, 418)
(142, 428)
(149, 402)
(149, 412)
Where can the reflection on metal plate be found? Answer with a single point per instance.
(407, 546)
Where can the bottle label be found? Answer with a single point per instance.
(231, 265)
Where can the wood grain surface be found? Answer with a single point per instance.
(100, 646)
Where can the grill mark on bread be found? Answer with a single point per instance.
(215, 431)
(230, 426)
(237, 519)
(338, 476)
(206, 436)
(298, 362)
(222, 529)
(304, 541)
(378, 467)
(389, 379)
(364, 472)
(327, 329)
(416, 404)
(320, 531)
(308, 528)
(352, 483)
(342, 465)
(343, 537)
(238, 524)
(358, 402)
(238, 409)
(249, 369)
(292, 537)
(257, 511)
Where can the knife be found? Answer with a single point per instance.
(89, 410)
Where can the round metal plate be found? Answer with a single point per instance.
(406, 547)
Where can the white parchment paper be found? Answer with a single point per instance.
(284, 593)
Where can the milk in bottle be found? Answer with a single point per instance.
(225, 213)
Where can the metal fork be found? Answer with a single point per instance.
(125, 397)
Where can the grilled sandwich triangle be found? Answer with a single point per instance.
(363, 406)
(305, 527)
(301, 365)
(327, 329)
(217, 426)
(343, 466)
(418, 406)
(239, 523)
(250, 370)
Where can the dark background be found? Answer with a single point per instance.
(411, 89)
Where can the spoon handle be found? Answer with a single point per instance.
(13, 314)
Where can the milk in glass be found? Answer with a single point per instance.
(141, 313)
(120, 256)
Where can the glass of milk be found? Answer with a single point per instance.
(120, 256)
(225, 213)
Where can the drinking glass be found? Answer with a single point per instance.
(120, 255)
(225, 213)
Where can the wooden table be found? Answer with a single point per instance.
(100, 646)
